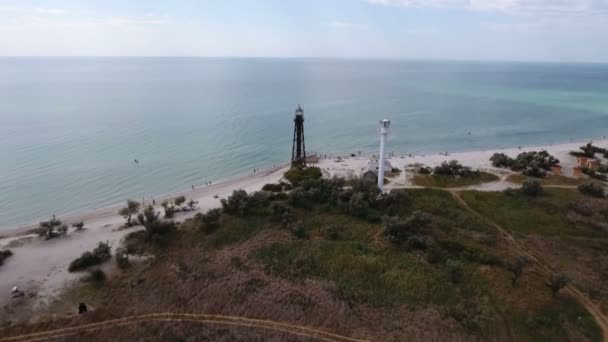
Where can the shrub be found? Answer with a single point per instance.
(589, 151)
(97, 276)
(122, 258)
(532, 188)
(62, 230)
(210, 221)
(100, 254)
(455, 270)
(593, 174)
(557, 282)
(78, 225)
(534, 170)
(192, 204)
(424, 170)
(273, 187)
(299, 231)
(453, 168)
(259, 199)
(297, 175)
(533, 164)
(502, 160)
(127, 212)
(237, 203)
(592, 189)
(4, 254)
(51, 228)
(517, 267)
(436, 255)
(398, 231)
(178, 201)
(278, 209)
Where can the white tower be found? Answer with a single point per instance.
(384, 126)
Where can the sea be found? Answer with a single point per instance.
(71, 128)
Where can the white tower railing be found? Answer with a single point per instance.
(384, 130)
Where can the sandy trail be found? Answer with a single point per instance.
(544, 268)
(181, 317)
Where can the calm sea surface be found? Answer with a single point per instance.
(70, 128)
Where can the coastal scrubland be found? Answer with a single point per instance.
(416, 264)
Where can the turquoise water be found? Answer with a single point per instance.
(70, 128)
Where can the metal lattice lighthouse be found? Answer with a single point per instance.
(384, 130)
(298, 150)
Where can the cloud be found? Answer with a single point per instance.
(340, 24)
(52, 11)
(536, 7)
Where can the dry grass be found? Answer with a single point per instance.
(350, 281)
(550, 179)
(437, 181)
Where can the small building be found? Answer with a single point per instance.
(557, 170)
(372, 165)
(584, 162)
(370, 176)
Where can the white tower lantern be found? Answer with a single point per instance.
(384, 130)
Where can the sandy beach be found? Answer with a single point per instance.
(39, 267)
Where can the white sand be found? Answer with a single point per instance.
(40, 267)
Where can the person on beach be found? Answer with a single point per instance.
(15, 292)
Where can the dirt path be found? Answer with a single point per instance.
(181, 317)
(600, 317)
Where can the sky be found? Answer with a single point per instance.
(518, 30)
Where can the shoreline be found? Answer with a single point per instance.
(39, 266)
(12, 230)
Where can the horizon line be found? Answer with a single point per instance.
(388, 59)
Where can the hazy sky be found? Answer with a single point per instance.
(546, 30)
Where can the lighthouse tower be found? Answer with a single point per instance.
(384, 130)
(298, 150)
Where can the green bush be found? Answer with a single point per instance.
(399, 231)
(589, 150)
(127, 212)
(273, 187)
(593, 174)
(100, 254)
(557, 282)
(210, 221)
(502, 160)
(592, 189)
(455, 270)
(424, 170)
(51, 228)
(533, 164)
(453, 168)
(237, 203)
(4, 254)
(299, 231)
(97, 277)
(532, 188)
(436, 255)
(297, 175)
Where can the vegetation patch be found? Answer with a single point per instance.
(4, 254)
(549, 179)
(100, 254)
(444, 181)
(559, 320)
(532, 164)
(297, 175)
